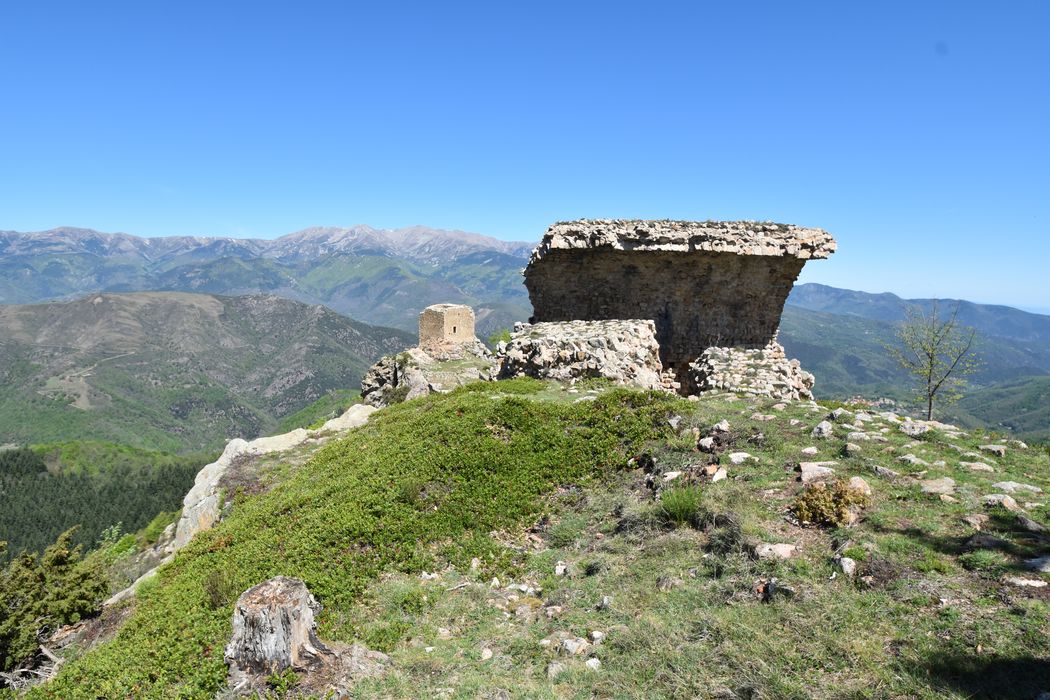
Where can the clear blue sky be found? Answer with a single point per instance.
(918, 133)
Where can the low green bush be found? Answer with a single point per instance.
(828, 505)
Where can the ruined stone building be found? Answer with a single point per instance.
(704, 284)
(442, 326)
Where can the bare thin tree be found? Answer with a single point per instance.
(937, 353)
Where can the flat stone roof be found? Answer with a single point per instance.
(739, 237)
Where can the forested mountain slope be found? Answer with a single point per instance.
(173, 371)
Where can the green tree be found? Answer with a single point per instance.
(937, 352)
(43, 592)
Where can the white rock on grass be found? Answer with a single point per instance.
(913, 460)
(977, 466)
(848, 566)
(1025, 582)
(1001, 499)
(944, 485)
(1014, 487)
(997, 450)
(775, 551)
(810, 472)
(809, 451)
(720, 475)
(741, 457)
(823, 430)
(914, 428)
(593, 664)
(858, 484)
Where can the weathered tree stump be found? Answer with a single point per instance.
(274, 630)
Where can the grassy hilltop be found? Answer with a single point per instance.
(520, 481)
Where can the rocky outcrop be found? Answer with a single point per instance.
(622, 351)
(415, 372)
(704, 284)
(274, 629)
(203, 505)
(762, 372)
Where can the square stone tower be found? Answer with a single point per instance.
(442, 326)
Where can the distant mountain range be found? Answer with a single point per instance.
(378, 276)
(173, 371)
(386, 277)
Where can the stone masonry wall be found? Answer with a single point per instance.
(696, 300)
(442, 325)
(763, 371)
(623, 351)
(703, 284)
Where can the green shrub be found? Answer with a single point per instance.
(828, 506)
(41, 592)
(682, 506)
(985, 561)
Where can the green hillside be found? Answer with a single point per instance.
(521, 477)
(174, 372)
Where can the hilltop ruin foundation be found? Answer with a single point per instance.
(705, 285)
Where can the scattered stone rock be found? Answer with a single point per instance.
(823, 430)
(721, 426)
(1014, 487)
(596, 637)
(977, 466)
(858, 484)
(1002, 500)
(976, 520)
(706, 444)
(811, 472)
(741, 457)
(913, 460)
(762, 417)
(1025, 583)
(944, 485)
(997, 450)
(1040, 564)
(576, 646)
(914, 428)
(840, 415)
(719, 475)
(593, 664)
(1030, 525)
(858, 437)
(780, 406)
(1017, 444)
(605, 603)
(851, 449)
(848, 566)
(775, 551)
(810, 451)
(486, 654)
(884, 472)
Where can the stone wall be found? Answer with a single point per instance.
(444, 325)
(624, 351)
(703, 284)
(760, 371)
